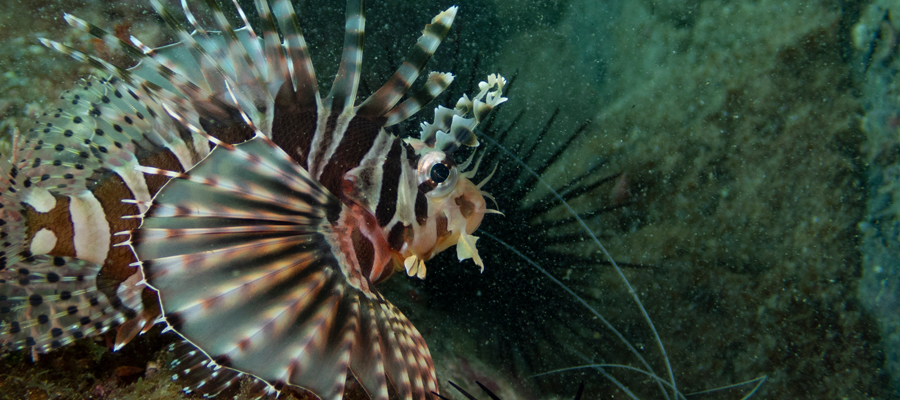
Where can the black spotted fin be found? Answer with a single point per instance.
(47, 302)
(68, 185)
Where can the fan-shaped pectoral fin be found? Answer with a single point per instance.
(245, 252)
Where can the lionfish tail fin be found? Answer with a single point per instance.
(48, 302)
(241, 251)
(390, 93)
(455, 127)
(98, 129)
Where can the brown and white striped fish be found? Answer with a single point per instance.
(212, 187)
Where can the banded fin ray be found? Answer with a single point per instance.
(380, 102)
(436, 83)
(273, 53)
(346, 82)
(200, 67)
(198, 373)
(219, 66)
(171, 79)
(293, 314)
(305, 86)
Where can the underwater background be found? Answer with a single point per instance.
(750, 156)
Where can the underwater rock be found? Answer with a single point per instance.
(876, 62)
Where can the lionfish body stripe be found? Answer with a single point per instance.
(214, 188)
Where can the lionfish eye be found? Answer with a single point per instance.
(439, 173)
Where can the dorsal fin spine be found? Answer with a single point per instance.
(346, 82)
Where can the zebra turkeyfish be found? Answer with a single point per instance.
(213, 188)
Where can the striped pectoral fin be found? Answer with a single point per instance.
(407, 360)
(242, 251)
(47, 302)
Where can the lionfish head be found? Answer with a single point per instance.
(455, 205)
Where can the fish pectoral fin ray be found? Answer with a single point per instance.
(247, 274)
(198, 373)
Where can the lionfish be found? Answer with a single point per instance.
(213, 188)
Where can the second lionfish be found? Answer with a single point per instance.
(213, 188)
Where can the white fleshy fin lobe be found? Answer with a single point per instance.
(129, 291)
(465, 248)
(127, 331)
(414, 266)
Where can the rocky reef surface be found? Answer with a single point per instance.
(747, 134)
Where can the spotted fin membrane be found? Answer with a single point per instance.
(56, 301)
(65, 176)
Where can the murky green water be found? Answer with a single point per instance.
(751, 151)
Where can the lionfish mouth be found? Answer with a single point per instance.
(214, 189)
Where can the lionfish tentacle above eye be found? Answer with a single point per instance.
(455, 127)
